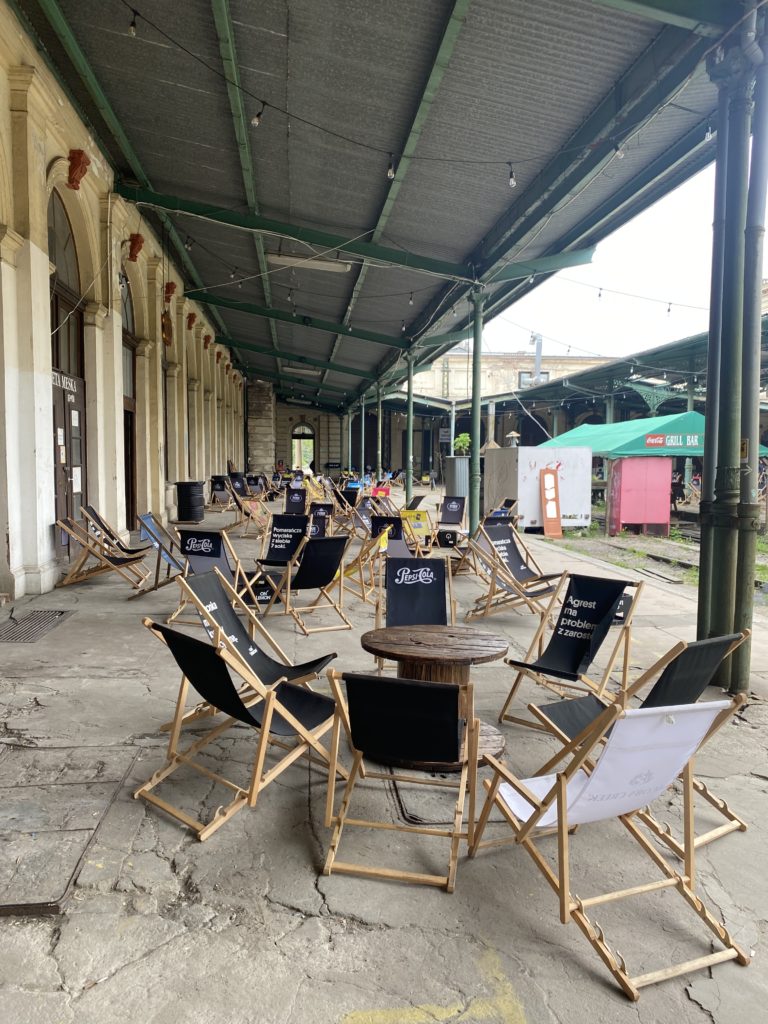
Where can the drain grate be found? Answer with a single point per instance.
(30, 627)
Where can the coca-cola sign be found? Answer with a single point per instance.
(407, 576)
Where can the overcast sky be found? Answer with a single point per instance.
(662, 255)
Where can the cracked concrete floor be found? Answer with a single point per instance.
(244, 929)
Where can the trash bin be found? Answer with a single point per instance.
(190, 501)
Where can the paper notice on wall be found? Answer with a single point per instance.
(550, 503)
(62, 454)
(60, 435)
(77, 480)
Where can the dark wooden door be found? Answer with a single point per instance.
(69, 444)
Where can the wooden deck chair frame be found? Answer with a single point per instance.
(504, 591)
(360, 574)
(215, 504)
(564, 687)
(252, 513)
(465, 787)
(261, 777)
(574, 908)
(105, 532)
(162, 544)
(422, 543)
(130, 568)
(459, 528)
(733, 823)
(282, 592)
(244, 585)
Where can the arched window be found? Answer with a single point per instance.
(66, 312)
(302, 447)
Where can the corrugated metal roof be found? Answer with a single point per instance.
(542, 84)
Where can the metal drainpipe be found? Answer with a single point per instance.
(477, 385)
(727, 491)
(379, 415)
(409, 433)
(713, 370)
(749, 508)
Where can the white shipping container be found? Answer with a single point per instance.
(515, 473)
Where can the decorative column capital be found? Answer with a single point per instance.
(193, 384)
(172, 370)
(94, 314)
(144, 348)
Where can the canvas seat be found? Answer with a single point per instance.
(588, 608)
(130, 568)
(321, 518)
(360, 571)
(169, 561)
(286, 532)
(316, 565)
(275, 713)
(295, 501)
(107, 534)
(205, 550)
(415, 592)
(645, 751)
(684, 673)
(395, 721)
(450, 525)
(395, 545)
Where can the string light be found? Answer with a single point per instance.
(391, 168)
(669, 308)
(132, 26)
(233, 274)
(410, 300)
(402, 327)
(453, 310)
(188, 243)
(600, 293)
(618, 151)
(708, 133)
(512, 178)
(256, 119)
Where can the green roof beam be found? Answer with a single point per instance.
(225, 31)
(299, 382)
(704, 17)
(545, 264)
(321, 364)
(294, 232)
(297, 319)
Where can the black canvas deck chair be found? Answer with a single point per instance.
(397, 722)
(414, 503)
(415, 592)
(221, 494)
(206, 550)
(450, 526)
(286, 532)
(346, 501)
(684, 673)
(130, 568)
(321, 518)
(646, 751)
(361, 516)
(280, 713)
(239, 484)
(101, 529)
(317, 565)
(169, 561)
(512, 577)
(228, 620)
(588, 608)
(295, 501)
(395, 545)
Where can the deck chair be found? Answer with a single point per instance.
(415, 592)
(321, 518)
(253, 515)
(346, 501)
(221, 495)
(646, 750)
(169, 561)
(279, 546)
(684, 673)
(399, 721)
(206, 550)
(588, 609)
(316, 565)
(295, 501)
(228, 620)
(130, 568)
(414, 503)
(395, 545)
(280, 712)
(449, 527)
(418, 531)
(512, 576)
(101, 529)
(239, 485)
(360, 569)
(361, 517)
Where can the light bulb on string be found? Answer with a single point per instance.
(256, 119)
(453, 310)
(391, 168)
(512, 178)
(669, 308)
(132, 26)
(233, 274)
(188, 243)
(618, 151)
(402, 327)
(600, 293)
(410, 300)
(708, 133)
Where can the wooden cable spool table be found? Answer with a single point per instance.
(441, 654)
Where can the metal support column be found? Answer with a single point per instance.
(725, 507)
(453, 425)
(350, 417)
(362, 437)
(490, 423)
(713, 370)
(409, 433)
(474, 460)
(749, 508)
(379, 417)
(609, 409)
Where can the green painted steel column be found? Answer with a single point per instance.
(350, 417)
(749, 508)
(725, 507)
(712, 410)
(477, 385)
(379, 417)
(362, 437)
(453, 425)
(409, 433)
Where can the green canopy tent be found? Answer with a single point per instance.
(678, 435)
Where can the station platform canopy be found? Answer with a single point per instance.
(681, 434)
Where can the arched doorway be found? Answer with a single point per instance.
(67, 360)
(129, 400)
(302, 447)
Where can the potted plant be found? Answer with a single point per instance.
(457, 467)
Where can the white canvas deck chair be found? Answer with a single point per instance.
(317, 565)
(684, 673)
(130, 568)
(589, 607)
(512, 577)
(281, 712)
(397, 722)
(645, 752)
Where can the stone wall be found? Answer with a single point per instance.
(261, 426)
